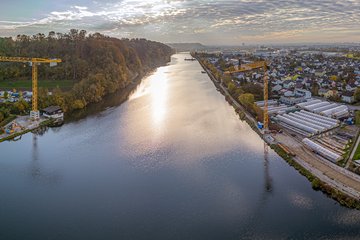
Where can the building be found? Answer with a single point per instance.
(288, 84)
(348, 97)
(302, 93)
(291, 100)
(330, 93)
(54, 112)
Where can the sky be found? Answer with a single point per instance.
(222, 22)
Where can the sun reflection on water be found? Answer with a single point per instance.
(159, 91)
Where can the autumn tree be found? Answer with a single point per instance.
(96, 64)
(247, 100)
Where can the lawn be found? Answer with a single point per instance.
(26, 84)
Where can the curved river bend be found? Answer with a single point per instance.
(172, 162)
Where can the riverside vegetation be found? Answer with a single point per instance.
(96, 65)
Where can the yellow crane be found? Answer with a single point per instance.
(248, 67)
(34, 62)
(258, 65)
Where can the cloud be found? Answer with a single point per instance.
(165, 20)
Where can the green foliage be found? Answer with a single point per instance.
(5, 110)
(247, 100)
(315, 184)
(78, 104)
(26, 84)
(254, 89)
(232, 88)
(20, 107)
(357, 117)
(357, 94)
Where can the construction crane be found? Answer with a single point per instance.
(258, 65)
(248, 67)
(34, 62)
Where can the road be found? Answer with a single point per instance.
(326, 171)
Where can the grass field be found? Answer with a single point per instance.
(26, 84)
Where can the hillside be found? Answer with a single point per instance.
(96, 64)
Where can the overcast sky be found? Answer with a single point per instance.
(222, 22)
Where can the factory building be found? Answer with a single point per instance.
(307, 123)
(324, 108)
(319, 149)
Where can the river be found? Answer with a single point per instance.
(172, 162)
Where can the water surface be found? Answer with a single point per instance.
(172, 162)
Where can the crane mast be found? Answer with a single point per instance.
(34, 114)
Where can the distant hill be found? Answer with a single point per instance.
(183, 47)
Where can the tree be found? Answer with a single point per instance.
(357, 117)
(333, 78)
(97, 64)
(21, 106)
(247, 100)
(78, 104)
(231, 87)
(357, 94)
(315, 89)
(259, 113)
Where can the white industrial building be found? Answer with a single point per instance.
(275, 108)
(307, 123)
(270, 103)
(325, 108)
(319, 149)
(302, 93)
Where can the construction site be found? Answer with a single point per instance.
(24, 124)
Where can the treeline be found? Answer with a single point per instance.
(97, 64)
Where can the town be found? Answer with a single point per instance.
(313, 101)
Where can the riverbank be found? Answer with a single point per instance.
(110, 100)
(24, 125)
(339, 185)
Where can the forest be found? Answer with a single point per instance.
(96, 64)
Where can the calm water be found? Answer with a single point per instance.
(172, 162)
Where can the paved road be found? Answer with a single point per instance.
(326, 171)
